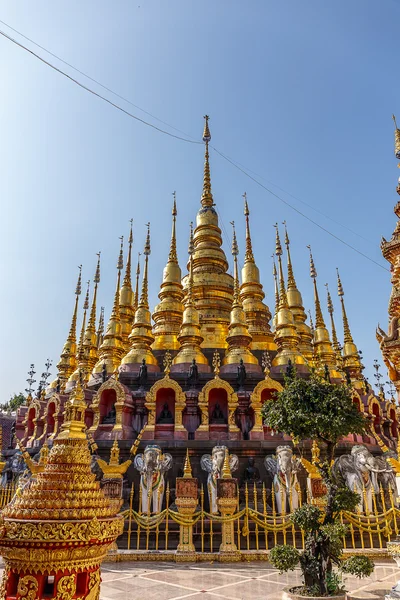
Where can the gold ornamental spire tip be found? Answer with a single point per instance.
(136, 300)
(120, 263)
(313, 271)
(249, 256)
(187, 469)
(235, 252)
(79, 282)
(86, 303)
(329, 300)
(144, 299)
(96, 279)
(396, 139)
(128, 270)
(291, 282)
(173, 257)
(335, 341)
(275, 274)
(97, 274)
(348, 338)
(206, 197)
(226, 469)
(283, 301)
(319, 319)
(278, 247)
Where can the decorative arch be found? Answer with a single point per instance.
(233, 402)
(265, 384)
(375, 410)
(357, 400)
(110, 384)
(47, 431)
(391, 415)
(214, 384)
(166, 382)
(31, 421)
(180, 402)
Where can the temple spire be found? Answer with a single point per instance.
(126, 296)
(286, 336)
(190, 337)
(67, 362)
(257, 313)
(325, 356)
(351, 358)
(79, 353)
(206, 197)
(335, 341)
(295, 303)
(100, 327)
(90, 338)
(248, 257)
(136, 300)
(168, 313)
(141, 337)
(112, 349)
(239, 338)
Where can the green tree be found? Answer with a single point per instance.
(14, 403)
(316, 409)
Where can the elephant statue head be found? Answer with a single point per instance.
(214, 463)
(152, 462)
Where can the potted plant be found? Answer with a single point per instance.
(316, 409)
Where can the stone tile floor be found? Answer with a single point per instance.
(215, 581)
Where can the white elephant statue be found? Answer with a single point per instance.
(152, 465)
(213, 464)
(362, 472)
(283, 468)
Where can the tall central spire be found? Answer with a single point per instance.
(126, 297)
(206, 197)
(212, 285)
(67, 362)
(351, 358)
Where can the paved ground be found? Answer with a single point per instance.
(215, 581)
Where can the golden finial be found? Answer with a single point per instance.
(167, 362)
(206, 197)
(226, 469)
(216, 363)
(347, 334)
(81, 337)
(78, 289)
(315, 452)
(249, 256)
(67, 362)
(96, 279)
(275, 274)
(266, 363)
(189, 296)
(283, 302)
(235, 252)
(335, 342)
(136, 302)
(291, 283)
(112, 469)
(173, 257)
(120, 263)
(127, 278)
(100, 328)
(319, 319)
(187, 469)
(144, 299)
(311, 322)
(74, 426)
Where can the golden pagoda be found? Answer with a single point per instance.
(190, 337)
(212, 285)
(325, 355)
(57, 531)
(168, 313)
(335, 342)
(112, 348)
(390, 342)
(257, 313)
(141, 336)
(67, 362)
(127, 298)
(295, 303)
(286, 336)
(239, 338)
(351, 358)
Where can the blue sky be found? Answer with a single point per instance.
(301, 93)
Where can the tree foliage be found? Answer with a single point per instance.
(14, 402)
(316, 409)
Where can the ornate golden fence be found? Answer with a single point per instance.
(6, 494)
(257, 526)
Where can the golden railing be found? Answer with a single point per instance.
(7, 493)
(258, 527)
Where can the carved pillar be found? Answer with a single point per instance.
(234, 431)
(149, 431)
(203, 431)
(186, 502)
(180, 430)
(227, 504)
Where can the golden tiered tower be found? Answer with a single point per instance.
(67, 361)
(335, 341)
(351, 358)
(190, 337)
(257, 313)
(325, 356)
(286, 336)
(295, 302)
(390, 342)
(112, 348)
(212, 285)
(55, 534)
(141, 337)
(239, 338)
(126, 297)
(168, 313)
